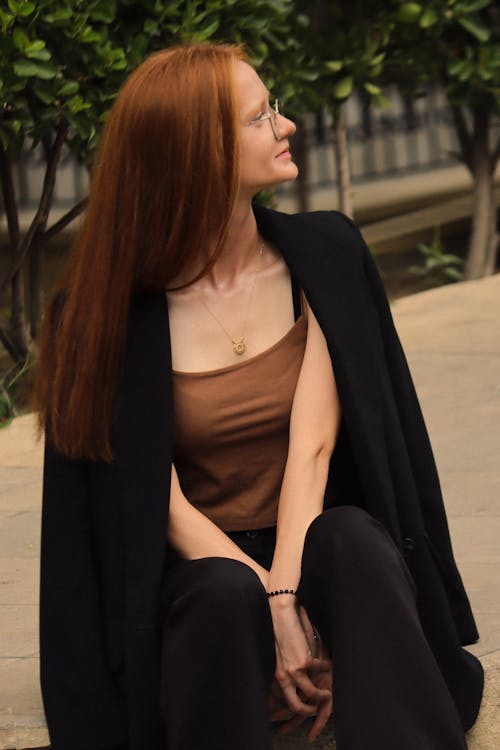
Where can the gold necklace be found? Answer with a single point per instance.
(239, 346)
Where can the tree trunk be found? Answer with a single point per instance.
(36, 300)
(300, 158)
(342, 163)
(491, 261)
(17, 334)
(482, 245)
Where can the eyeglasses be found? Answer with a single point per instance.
(271, 115)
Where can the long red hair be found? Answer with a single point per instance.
(163, 188)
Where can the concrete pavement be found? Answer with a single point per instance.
(452, 342)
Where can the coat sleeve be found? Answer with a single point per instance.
(419, 447)
(83, 704)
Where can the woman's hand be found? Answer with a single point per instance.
(321, 677)
(302, 677)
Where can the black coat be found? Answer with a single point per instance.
(104, 525)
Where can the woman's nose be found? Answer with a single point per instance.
(286, 126)
(283, 127)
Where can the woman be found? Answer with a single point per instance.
(235, 455)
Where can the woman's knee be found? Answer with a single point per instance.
(349, 523)
(348, 535)
(225, 586)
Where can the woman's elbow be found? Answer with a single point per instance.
(316, 452)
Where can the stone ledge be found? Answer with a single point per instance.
(485, 734)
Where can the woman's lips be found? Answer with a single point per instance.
(284, 154)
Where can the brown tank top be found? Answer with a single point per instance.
(231, 430)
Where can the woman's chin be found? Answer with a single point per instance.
(285, 175)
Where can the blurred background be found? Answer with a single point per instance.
(397, 106)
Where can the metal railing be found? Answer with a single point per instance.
(414, 134)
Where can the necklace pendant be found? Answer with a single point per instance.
(239, 346)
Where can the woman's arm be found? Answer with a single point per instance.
(314, 426)
(193, 535)
(305, 681)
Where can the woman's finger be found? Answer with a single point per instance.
(313, 694)
(288, 688)
(292, 724)
(321, 720)
(295, 703)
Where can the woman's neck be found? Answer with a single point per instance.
(240, 254)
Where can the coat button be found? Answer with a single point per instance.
(408, 545)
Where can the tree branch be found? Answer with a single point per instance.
(63, 222)
(9, 346)
(39, 221)
(464, 135)
(9, 198)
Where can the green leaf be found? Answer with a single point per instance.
(138, 48)
(15, 126)
(5, 138)
(484, 74)
(450, 258)
(456, 67)
(25, 68)
(29, 68)
(105, 12)
(21, 8)
(20, 38)
(61, 14)
(478, 5)
(116, 54)
(45, 96)
(89, 35)
(307, 75)
(77, 104)
(372, 88)
(409, 12)
(119, 64)
(150, 26)
(377, 59)
(454, 273)
(36, 51)
(36, 46)
(429, 18)
(475, 27)
(208, 31)
(6, 19)
(343, 88)
(43, 55)
(69, 88)
(382, 101)
(333, 66)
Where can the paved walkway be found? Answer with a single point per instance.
(452, 342)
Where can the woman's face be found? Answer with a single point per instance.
(264, 160)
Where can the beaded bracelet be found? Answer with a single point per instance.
(280, 591)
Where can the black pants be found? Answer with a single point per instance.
(218, 655)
